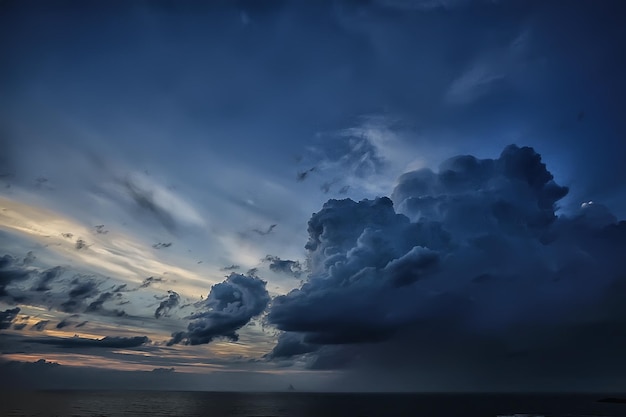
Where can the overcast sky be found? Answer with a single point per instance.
(244, 195)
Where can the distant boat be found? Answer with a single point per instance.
(291, 388)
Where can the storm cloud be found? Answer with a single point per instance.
(463, 254)
(230, 305)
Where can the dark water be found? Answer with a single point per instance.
(211, 404)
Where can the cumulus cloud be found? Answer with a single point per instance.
(461, 255)
(168, 304)
(230, 305)
(81, 342)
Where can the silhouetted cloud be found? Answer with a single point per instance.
(40, 325)
(100, 229)
(284, 266)
(66, 322)
(81, 244)
(163, 370)
(168, 304)
(149, 281)
(81, 288)
(229, 306)
(231, 267)
(8, 316)
(161, 245)
(266, 231)
(105, 342)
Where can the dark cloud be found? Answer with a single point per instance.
(19, 326)
(229, 306)
(477, 251)
(164, 370)
(45, 277)
(144, 199)
(302, 175)
(284, 266)
(172, 301)
(29, 258)
(291, 344)
(81, 288)
(161, 245)
(65, 323)
(265, 232)
(231, 267)
(81, 244)
(40, 326)
(105, 342)
(81, 324)
(97, 305)
(10, 271)
(100, 229)
(149, 281)
(7, 317)
(67, 235)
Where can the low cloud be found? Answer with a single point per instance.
(460, 256)
(105, 342)
(229, 306)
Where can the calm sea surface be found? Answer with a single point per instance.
(212, 404)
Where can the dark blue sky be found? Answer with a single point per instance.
(163, 166)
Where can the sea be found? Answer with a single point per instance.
(297, 404)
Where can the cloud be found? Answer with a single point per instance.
(164, 370)
(284, 266)
(7, 317)
(166, 305)
(169, 209)
(291, 344)
(231, 267)
(149, 281)
(40, 326)
(82, 288)
(105, 342)
(10, 271)
(45, 277)
(161, 245)
(461, 255)
(269, 230)
(229, 306)
(64, 323)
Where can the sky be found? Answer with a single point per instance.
(382, 195)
